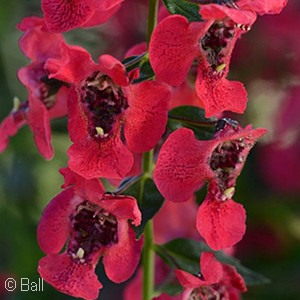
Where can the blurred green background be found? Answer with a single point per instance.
(27, 182)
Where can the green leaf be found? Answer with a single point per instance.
(184, 8)
(194, 118)
(185, 254)
(133, 62)
(149, 200)
(146, 72)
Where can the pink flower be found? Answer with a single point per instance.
(176, 43)
(216, 280)
(109, 118)
(46, 95)
(185, 163)
(64, 15)
(91, 224)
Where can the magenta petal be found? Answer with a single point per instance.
(122, 207)
(173, 47)
(221, 223)
(9, 127)
(92, 159)
(53, 228)
(70, 277)
(188, 280)
(63, 15)
(180, 168)
(114, 69)
(211, 269)
(73, 65)
(39, 122)
(219, 95)
(220, 12)
(122, 258)
(91, 189)
(103, 11)
(37, 43)
(146, 117)
(264, 6)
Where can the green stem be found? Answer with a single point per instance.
(148, 251)
(152, 17)
(148, 263)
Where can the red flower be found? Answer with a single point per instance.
(64, 15)
(108, 118)
(47, 96)
(216, 280)
(176, 43)
(90, 228)
(185, 163)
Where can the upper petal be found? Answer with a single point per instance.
(173, 47)
(9, 127)
(263, 6)
(72, 66)
(53, 228)
(63, 15)
(122, 258)
(122, 207)
(39, 122)
(211, 269)
(113, 68)
(91, 189)
(146, 117)
(181, 167)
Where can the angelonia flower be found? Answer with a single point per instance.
(176, 43)
(184, 164)
(90, 224)
(122, 135)
(214, 281)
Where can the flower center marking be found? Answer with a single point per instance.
(92, 228)
(48, 90)
(103, 103)
(215, 43)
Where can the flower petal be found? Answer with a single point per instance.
(109, 158)
(72, 66)
(122, 258)
(122, 207)
(221, 223)
(219, 95)
(63, 15)
(181, 166)
(173, 47)
(39, 122)
(114, 69)
(211, 269)
(9, 127)
(91, 189)
(53, 228)
(146, 117)
(70, 277)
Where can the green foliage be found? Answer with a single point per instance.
(149, 200)
(185, 254)
(184, 8)
(193, 118)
